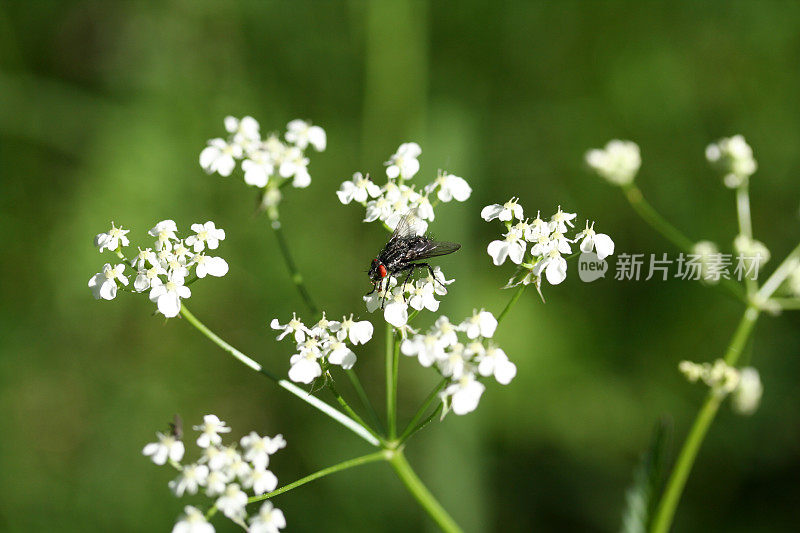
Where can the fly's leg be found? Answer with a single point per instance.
(430, 271)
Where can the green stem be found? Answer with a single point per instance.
(790, 304)
(391, 381)
(783, 271)
(652, 217)
(344, 465)
(743, 210)
(363, 398)
(680, 473)
(284, 384)
(411, 427)
(421, 493)
(349, 410)
(297, 278)
(511, 302)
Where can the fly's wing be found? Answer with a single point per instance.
(434, 249)
(406, 227)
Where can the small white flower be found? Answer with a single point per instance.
(167, 296)
(600, 242)
(422, 296)
(210, 429)
(257, 449)
(395, 312)
(404, 162)
(167, 447)
(341, 355)
(512, 247)
(747, 394)
(560, 220)
(554, 267)
(220, 157)
(455, 363)
(507, 211)
(191, 477)
(359, 189)
(164, 232)
(268, 520)
(748, 247)
(113, 239)
(244, 131)
(232, 502)
(293, 326)
(481, 323)
(450, 187)
(617, 163)
(261, 480)
(192, 521)
(446, 331)
(104, 284)
(734, 157)
(205, 235)
(427, 348)
(214, 266)
(143, 258)
(216, 482)
(257, 169)
(464, 394)
(217, 457)
(537, 229)
(305, 367)
(358, 332)
(302, 133)
(494, 361)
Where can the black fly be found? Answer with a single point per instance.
(403, 249)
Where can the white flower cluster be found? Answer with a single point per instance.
(463, 361)
(548, 240)
(744, 384)
(222, 472)
(744, 245)
(617, 163)
(396, 299)
(390, 202)
(162, 269)
(264, 161)
(734, 158)
(323, 344)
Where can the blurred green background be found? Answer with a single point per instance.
(105, 106)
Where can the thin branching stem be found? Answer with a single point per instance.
(350, 412)
(411, 428)
(294, 273)
(364, 399)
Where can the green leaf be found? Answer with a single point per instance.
(641, 497)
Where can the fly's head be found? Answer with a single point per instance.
(377, 271)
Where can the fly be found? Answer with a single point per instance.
(402, 253)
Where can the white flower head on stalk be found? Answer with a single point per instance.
(210, 429)
(167, 447)
(112, 240)
(505, 212)
(748, 247)
(719, 376)
(617, 163)
(600, 242)
(104, 284)
(220, 157)
(268, 520)
(747, 395)
(450, 187)
(734, 158)
(302, 133)
(359, 189)
(205, 235)
(404, 163)
(512, 246)
(192, 521)
(710, 259)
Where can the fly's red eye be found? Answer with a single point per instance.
(382, 270)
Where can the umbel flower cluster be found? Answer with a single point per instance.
(265, 163)
(463, 354)
(322, 345)
(549, 245)
(390, 202)
(743, 384)
(163, 269)
(396, 298)
(223, 473)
